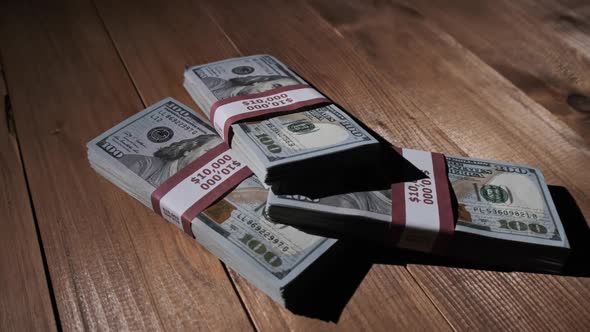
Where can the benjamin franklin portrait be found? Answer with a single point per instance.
(169, 159)
(239, 86)
(372, 201)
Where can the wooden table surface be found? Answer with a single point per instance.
(507, 80)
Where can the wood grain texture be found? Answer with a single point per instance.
(387, 300)
(113, 263)
(294, 33)
(388, 297)
(451, 86)
(541, 46)
(324, 53)
(476, 108)
(569, 20)
(409, 71)
(25, 301)
(488, 300)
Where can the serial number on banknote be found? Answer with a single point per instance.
(504, 212)
(268, 235)
(264, 232)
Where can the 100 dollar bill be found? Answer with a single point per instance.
(302, 135)
(496, 199)
(238, 77)
(148, 148)
(283, 138)
(505, 201)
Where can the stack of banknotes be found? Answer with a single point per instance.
(141, 153)
(501, 213)
(282, 147)
(505, 215)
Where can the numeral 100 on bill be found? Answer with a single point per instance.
(522, 226)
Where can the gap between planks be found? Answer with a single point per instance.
(145, 104)
(37, 242)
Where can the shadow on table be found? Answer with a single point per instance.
(371, 171)
(327, 286)
(386, 166)
(577, 230)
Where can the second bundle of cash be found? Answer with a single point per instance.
(319, 135)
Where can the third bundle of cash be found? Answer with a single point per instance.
(505, 215)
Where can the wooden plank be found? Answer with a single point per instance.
(488, 300)
(478, 110)
(450, 85)
(569, 20)
(186, 34)
(113, 264)
(541, 46)
(387, 299)
(402, 117)
(360, 88)
(25, 303)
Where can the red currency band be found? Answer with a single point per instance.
(266, 93)
(211, 197)
(282, 109)
(398, 210)
(189, 169)
(208, 198)
(303, 101)
(398, 213)
(399, 234)
(445, 209)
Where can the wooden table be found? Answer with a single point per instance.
(506, 80)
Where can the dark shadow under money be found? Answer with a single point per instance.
(386, 168)
(577, 230)
(376, 172)
(366, 173)
(575, 225)
(324, 290)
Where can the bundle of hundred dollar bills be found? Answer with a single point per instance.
(145, 151)
(284, 147)
(506, 216)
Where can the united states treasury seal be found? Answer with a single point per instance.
(160, 134)
(243, 70)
